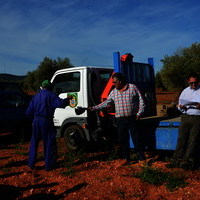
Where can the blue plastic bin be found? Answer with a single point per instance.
(165, 135)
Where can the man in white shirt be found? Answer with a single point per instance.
(187, 153)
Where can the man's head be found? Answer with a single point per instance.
(46, 84)
(193, 81)
(118, 80)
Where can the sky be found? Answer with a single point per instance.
(89, 31)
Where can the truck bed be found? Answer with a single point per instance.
(160, 133)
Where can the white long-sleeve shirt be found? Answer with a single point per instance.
(190, 95)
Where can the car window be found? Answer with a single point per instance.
(5, 86)
(67, 82)
(10, 100)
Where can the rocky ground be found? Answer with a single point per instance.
(97, 175)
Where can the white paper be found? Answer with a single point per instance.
(187, 103)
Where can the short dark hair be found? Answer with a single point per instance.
(119, 76)
(193, 75)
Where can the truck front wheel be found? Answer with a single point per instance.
(74, 137)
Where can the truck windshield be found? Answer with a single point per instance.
(68, 82)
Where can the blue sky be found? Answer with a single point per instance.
(89, 31)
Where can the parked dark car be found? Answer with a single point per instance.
(13, 105)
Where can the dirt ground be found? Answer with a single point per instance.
(97, 175)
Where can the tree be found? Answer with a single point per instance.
(178, 66)
(44, 71)
(158, 82)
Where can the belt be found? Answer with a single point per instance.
(126, 117)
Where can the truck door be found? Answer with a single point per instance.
(97, 81)
(64, 84)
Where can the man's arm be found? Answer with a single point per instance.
(104, 104)
(141, 105)
(30, 109)
(181, 100)
(61, 103)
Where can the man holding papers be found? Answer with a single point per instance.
(187, 153)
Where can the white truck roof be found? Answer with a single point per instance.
(78, 68)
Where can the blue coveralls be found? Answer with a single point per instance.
(41, 109)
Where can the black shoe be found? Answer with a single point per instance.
(185, 166)
(188, 165)
(172, 165)
(51, 168)
(32, 167)
(125, 162)
(133, 162)
(141, 156)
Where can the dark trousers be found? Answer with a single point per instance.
(188, 145)
(45, 130)
(126, 126)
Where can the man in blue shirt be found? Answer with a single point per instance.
(41, 110)
(187, 153)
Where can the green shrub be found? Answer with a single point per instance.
(157, 177)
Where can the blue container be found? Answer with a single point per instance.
(167, 135)
(162, 135)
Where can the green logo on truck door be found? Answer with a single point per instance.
(73, 102)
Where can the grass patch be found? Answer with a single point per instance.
(22, 153)
(156, 177)
(74, 158)
(71, 159)
(18, 146)
(106, 179)
(5, 170)
(113, 155)
(68, 172)
(121, 193)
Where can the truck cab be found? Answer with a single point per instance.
(85, 84)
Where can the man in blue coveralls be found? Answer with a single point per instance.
(41, 110)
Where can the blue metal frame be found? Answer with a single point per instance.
(151, 61)
(117, 62)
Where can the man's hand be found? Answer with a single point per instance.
(182, 107)
(90, 108)
(197, 105)
(137, 117)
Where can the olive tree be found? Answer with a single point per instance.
(45, 70)
(178, 66)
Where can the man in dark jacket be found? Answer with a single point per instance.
(41, 110)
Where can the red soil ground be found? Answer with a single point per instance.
(90, 176)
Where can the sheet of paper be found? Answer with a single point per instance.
(187, 103)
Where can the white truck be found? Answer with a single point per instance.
(86, 85)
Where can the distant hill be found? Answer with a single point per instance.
(10, 77)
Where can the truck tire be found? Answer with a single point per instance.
(74, 137)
